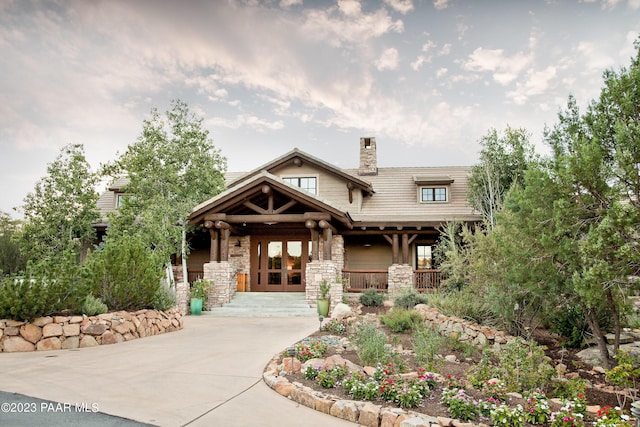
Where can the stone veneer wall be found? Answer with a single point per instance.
(400, 278)
(182, 290)
(69, 332)
(223, 275)
(315, 273)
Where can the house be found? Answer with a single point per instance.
(297, 221)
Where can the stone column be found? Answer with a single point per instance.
(316, 272)
(223, 276)
(182, 290)
(400, 279)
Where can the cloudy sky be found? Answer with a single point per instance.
(427, 78)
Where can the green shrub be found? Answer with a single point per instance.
(93, 306)
(124, 273)
(47, 287)
(521, 365)
(426, 344)
(410, 299)
(401, 321)
(569, 321)
(370, 345)
(372, 298)
(164, 299)
(463, 304)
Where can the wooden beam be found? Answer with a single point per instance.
(328, 239)
(315, 245)
(266, 189)
(256, 219)
(388, 239)
(412, 238)
(254, 207)
(223, 225)
(284, 207)
(324, 224)
(224, 244)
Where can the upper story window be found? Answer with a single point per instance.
(433, 194)
(308, 183)
(119, 200)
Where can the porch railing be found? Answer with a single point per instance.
(193, 275)
(426, 280)
(361, 280)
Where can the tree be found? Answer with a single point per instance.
(172, 167)
(62, 209)
(503, 162)
(11, 260)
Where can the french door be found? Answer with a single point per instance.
(278, 264)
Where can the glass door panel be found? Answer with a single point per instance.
(294, 263)
(274, 264)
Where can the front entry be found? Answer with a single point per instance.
(278, 264)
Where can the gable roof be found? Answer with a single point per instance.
(295, 156)
(237, 195)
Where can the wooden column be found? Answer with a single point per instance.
(328, 238)
(395, 248)
(215, 244)
(315, 252)
(405, 248)
(225, 232)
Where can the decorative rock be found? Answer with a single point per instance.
(415, 422)
(369, 414)
(345, 410)
(451, 358)
(561, 369)
(444, 422)
(400, 419)
(302, 396)
(75, 319)
(122, 328)
(283, 387)
(11, 331)
(286, 364)
(70, 343)
(17, 344)
(71, 330)
(624, 338)
(108, 337)
(337, 360)
(52, 343)
(387, 418)
(15, 323)
(60, 319)
(51, 330)
(31, 333)
(341, 311)
(88, 341)
(94, 329)
(316, 363)
(41, 321)
(323, 405)
(599, 369)
(369, 370)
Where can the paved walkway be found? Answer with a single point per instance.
(208, 374)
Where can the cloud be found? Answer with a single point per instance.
(440, 4)
(388, 60)
(535, 83)
(285, 4)
(504, 69)
(402, 6)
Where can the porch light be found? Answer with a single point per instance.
(321, 319)
(367, 245)
(238, 243)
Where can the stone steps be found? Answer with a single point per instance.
(265, 304)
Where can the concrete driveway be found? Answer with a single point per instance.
(208, 374)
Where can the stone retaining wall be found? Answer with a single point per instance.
(465, 330)
(69, 332)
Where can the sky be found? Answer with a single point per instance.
(427, 78)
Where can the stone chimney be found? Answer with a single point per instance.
(368, 157)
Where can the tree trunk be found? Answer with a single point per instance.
(592, 321)
(616, 320)
(185, 274)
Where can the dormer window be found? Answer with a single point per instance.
(119, 200)
(433, 194)
(433, 189)
(307, 183)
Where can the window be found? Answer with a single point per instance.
(433, 194)
(306, 183)
(423, 257)
(119, 200)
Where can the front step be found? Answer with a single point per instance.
(266, 304)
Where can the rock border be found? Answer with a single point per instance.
(363, 413)
(72, 332)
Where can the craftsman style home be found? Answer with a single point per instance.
(297, 221)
